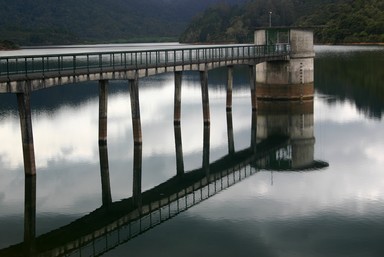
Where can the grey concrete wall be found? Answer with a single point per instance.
(260, 38)
(299, 70)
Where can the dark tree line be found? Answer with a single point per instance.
(42, 22)
(339, 21)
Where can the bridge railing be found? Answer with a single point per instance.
(83, 63)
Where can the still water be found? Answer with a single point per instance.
(276, 209)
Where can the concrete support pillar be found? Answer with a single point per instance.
(206, 150)
(177, 110)
(252, 82)
(205, 96)
(103, 111)
(29, 215)
(135, 110)
(24, 105)
(137, 168)
(179, 151)
(104, 173)
(229, 87)
(254, 131)
(231, 141)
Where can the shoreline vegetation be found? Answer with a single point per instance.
(335, 22)
(6, 45)
(342, 22)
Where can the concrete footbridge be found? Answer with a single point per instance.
(42, 71)
(282, 138)
(280, 68)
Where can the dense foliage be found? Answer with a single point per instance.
(36, 22)
(341, 21)
(349, 22)
(8, 45)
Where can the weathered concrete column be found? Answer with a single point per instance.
(137, 168)
(229, 87)
(231, 141)
(24, 105)
(29, 215)
(104, 174)
(179, 150)
(293, 78)
(205, 96)
(254, 131)
(103, 111)
(135, 110)
(206, 150)
(177, 110)
(252, 82)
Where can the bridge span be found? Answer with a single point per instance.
(34, 72)
(281, 61)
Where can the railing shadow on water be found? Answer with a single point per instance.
(115, 223)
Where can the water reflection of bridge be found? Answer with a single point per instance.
(115, 223)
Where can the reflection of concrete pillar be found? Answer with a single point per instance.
(24, 105)
(29, 215)
(179, 151)
(303, 151)
(231, 141)
(229, 87)
(252, 82)
(177, 111)
(206, 143)
(137, 164)
(205, 96)
(135, 110)
(103, 111)
(104, 173)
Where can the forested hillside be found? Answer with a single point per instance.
(42, 22)
(349, 22)
(36, 22)
(341, 21)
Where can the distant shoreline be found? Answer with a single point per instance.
(6, 45)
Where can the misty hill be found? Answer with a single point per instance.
(343, 20)
(37, 22)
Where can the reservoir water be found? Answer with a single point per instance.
(333, 206)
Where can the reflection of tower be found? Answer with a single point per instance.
(292, 119)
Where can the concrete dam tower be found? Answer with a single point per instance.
(291, 79)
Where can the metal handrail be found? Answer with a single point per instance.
(123, 60)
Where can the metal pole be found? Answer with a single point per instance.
(270, 19)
